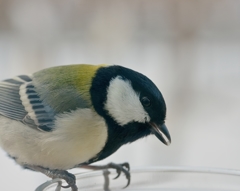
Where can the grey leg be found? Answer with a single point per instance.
(124, 167)
(62, 174)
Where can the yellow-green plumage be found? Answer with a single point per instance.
(70, 84)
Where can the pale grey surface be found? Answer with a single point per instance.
(158, 178)
(190, 49)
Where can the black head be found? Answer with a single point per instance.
(127, 97)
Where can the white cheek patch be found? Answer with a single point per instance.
(123, 103)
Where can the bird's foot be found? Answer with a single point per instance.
(62, 174)
(124, 167)
(65, 175)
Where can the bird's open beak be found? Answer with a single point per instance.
(161, 132)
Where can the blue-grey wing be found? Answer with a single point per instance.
(20, 101)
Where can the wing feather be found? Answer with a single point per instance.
(10, 103)
(36, 100)
(19, 101)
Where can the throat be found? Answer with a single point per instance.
(118, 136)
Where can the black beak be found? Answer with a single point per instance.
(161, 132)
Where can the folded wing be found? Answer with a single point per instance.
(20, 101)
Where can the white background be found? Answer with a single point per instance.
(190, 49)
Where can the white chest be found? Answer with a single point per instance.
(78, 136)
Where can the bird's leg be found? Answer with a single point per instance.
(106, 180)
(124, 167)
(62, 174)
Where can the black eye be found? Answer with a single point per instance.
(145, 101)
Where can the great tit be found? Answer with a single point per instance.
(71, 116)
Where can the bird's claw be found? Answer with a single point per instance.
(118, 173)
(124, 167)
(68, 177)
(61, 174)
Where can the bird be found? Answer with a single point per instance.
(71, 116)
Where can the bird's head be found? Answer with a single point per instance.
(128, 97)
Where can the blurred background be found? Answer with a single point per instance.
(190, 49)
